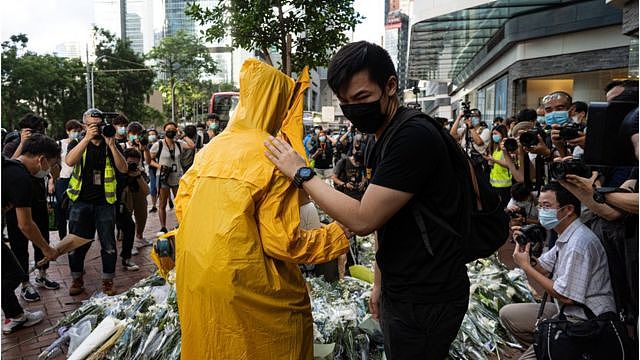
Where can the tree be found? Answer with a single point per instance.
(302, 31)
(181, 58)
(47, 85)
(121, 80)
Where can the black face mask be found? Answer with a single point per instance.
(171, 134)
(366, 117)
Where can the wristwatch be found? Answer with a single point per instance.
(303, 175)
(598, 193)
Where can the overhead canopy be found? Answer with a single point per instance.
(442, 46)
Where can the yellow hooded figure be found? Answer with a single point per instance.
(241, 294)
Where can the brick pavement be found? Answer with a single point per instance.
(28, 343)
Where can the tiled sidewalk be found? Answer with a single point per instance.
(28, 343)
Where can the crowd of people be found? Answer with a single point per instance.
(574, 227)
(95, 182)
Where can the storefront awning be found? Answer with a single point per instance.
(441, 47)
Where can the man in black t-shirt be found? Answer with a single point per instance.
(424, 297)
(92, 191)
(38, 153)
(348, 176)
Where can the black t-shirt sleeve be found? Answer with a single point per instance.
(10, 148)
(17, 187)
(410, 158)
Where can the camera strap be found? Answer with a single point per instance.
(545, 297)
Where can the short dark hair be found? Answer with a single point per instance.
(201, 125)
(73, 124)
(580, 106)
(191, 131)
(39, 144)
(132, 153)
(164, 127)
(358, 56)
(121, 119)
(520, 192)
(630, 92)
(510, 120)
(135, 127)
(498, 119)
(563, 196)
(476, 111)
(33, 122)
(213, 116)
(527, 115)
(154, 130)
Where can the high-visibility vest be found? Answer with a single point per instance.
(75, 183)
(500, 176)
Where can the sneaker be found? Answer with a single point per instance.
(170, 204)
(153, 209)
(47, 284)
(29, 293)
(107, 287)
(129, 265)
(164, 230)
(77, 287)
(27, 319)
(141, 242)
(134, 251)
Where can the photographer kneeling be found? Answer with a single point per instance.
(578, 264)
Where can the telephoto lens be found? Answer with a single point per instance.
(108, 130)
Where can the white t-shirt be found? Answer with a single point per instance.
(172, 161)
(485, 135)
(65, 170)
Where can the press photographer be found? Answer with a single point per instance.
(131, 187)
(574, 273)
(92, 191)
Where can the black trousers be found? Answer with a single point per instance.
(419, 330)
(125, 222)
(12, 275)
(20, 243)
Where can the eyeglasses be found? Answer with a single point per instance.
(546, 207)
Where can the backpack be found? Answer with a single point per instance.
(485, 224)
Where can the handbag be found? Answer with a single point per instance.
(599, 337)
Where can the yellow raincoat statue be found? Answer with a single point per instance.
(241, 294)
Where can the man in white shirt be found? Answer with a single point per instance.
(578, 263)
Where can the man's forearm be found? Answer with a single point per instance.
(18, 151)
(545, 282)
(75, 154)
(377, 275)
(339, 206)
(121, 162)
(624, 201)
(32, 233)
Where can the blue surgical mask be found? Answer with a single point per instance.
(122, 130)
(133, 137)
(497, 138)
(557, 117)
(152, 138)
(74, 135)
(540, 120)
(548, 218)
(475, 121)
(322, 138)
(213, 126)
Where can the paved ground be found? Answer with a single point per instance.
(28, 343)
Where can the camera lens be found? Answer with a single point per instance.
(511, 145)
(529, 138)
(108, 131)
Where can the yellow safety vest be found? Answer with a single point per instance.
(500, 176)
(75, 183)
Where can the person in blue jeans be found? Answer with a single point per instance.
(92, 191)
(73, 129)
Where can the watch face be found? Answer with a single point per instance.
(305, 172)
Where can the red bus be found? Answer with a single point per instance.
(223, 104)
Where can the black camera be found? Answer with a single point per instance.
(133, 167)
(530, 137)
(514, 214)
(571, 131)
(560, 169)
(104, 128)
(143, 138)
(533, 234)
(511, 145)
(466, 109)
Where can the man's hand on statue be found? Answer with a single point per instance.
(283, 156)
